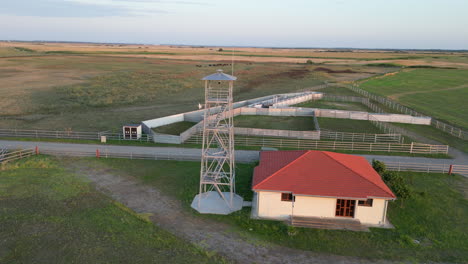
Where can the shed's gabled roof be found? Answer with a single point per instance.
(319, 173)
(219, 76)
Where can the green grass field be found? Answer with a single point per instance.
(347, 125)
(334, 105)
(175, 128)
(300, 123)
(435, 215)
(51, 216)
(440, 93)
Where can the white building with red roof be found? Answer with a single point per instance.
(318, 186)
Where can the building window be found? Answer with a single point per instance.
(367, 202)
(287, 197)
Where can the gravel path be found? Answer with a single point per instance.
(214, 236)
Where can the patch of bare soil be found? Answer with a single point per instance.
(168, 214)
(290, 74)
(327, 70)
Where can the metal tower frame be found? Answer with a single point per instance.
(217, 173)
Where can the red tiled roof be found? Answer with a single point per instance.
(319, 173)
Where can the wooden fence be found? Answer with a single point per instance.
(126, 155)
(362, 100)
(23, 133)
(447, 128)
(427, 167)
(416, 148)
(7, 156)
(360, 137)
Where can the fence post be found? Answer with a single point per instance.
(450, 169)
(37, 150)
(97, 153)
(411, 148)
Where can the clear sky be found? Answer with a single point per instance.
(419, 24)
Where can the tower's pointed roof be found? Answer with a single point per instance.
(219, 76)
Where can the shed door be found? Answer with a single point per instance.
(345, 207)
(127, 132)
(134, 132)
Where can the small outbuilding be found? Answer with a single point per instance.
(320, 189)
(132, 131)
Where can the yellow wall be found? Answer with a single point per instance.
(270, 206)
(371, 215)
(314, 206)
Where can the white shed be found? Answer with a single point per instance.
(132, 131)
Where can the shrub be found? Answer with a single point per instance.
(379, 166)
(397, 183)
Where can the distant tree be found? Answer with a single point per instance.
(309, 62)
(220, 49)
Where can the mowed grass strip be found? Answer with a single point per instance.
(416, 80)
(429, 226)
(174, 128)
(449, 105)
(440, 93)
(48, 215)
(347, 125)
(295, 123)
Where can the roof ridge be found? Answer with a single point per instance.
(287, 165)
(326, 153)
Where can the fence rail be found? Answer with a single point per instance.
(416, 148)
(447, 128)
(7, 156)
(67, 135)
(427, 167)
(360, 137)
(128, 155)
(363, 100)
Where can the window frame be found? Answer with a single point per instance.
(366, 203)
(290, 197)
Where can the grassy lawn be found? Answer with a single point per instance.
(347, 125)
(334, 105)
(301, 123)
(51, 216)
(175, 128)
(435, 134)
(423, 90)
(435, 215)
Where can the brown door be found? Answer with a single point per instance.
(345, 207)
(134, 133)
(127, 133)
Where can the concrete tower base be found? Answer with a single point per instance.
(213, 203)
